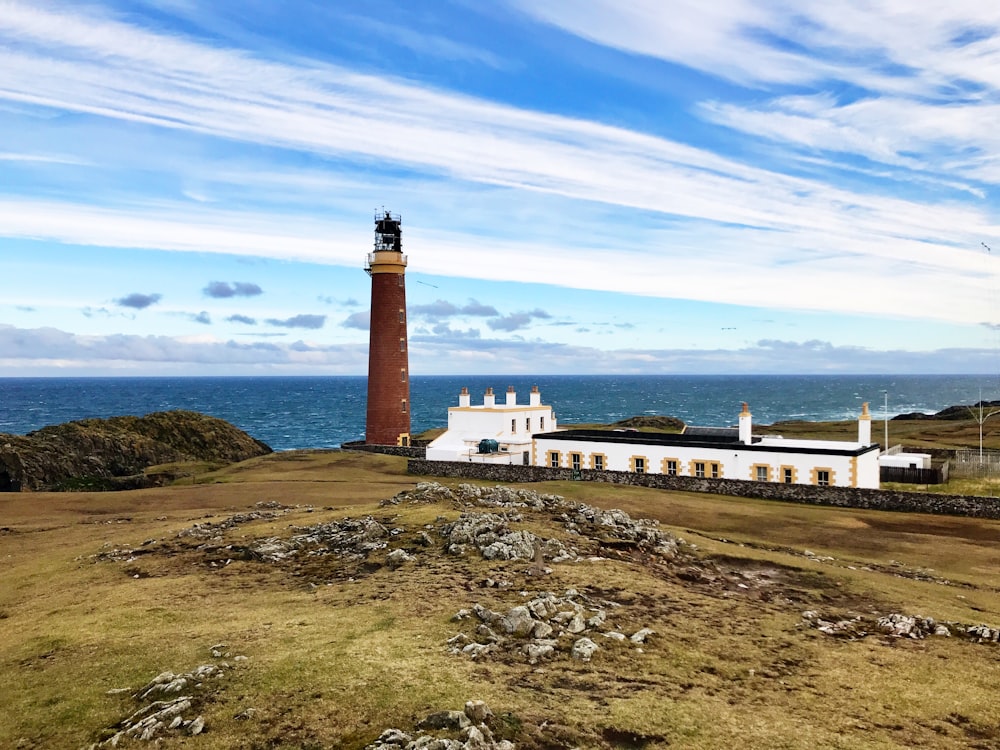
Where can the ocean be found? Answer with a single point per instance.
(323, 412)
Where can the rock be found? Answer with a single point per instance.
(396, 558)
(518, 621)
(478, 712)
(445, 720)
(541, 630)
(197, 726)
(898, 625)
(538, 650)
(391, 738)
(640, 636)
(576, 624)
(615, 635)
(583, 649)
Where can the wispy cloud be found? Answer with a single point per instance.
(723, 210)
(299, 321)
(244, 319)
(517, 321)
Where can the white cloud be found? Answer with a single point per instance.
(742, 234)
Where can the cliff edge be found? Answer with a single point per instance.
(107, 454)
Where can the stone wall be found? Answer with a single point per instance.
(844, 497)
(411, 451)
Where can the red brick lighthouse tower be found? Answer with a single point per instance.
(388, 418)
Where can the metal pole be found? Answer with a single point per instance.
(885, 419)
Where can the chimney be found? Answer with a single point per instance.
(463, 397)
(535, 399)
(489, 400)
(745, 425)
(865, 425)
(511, 396)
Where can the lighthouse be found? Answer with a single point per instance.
(388, 415)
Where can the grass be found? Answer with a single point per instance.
(339, 651)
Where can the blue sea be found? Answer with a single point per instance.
(323, 412)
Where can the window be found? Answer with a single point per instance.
(715, 471)
(554, 459)
(699, 469)
(761, 473)
(513, 425)
(402, 376)
(639, 465)
(541, 423)
(671, 467)
(527, 424)
(402, 345)
(823, 478)
(787, 475)
(399, 279)
(402, 316)
(403, 403)
(577, 460)
(404, 440)
(598, 463)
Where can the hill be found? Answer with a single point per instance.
(113, 453)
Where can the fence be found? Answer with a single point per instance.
(970, 464)
(907, 475)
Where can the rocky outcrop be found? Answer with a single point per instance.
(453, 730)
(169, 704)
(108, 454)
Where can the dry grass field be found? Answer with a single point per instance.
(102, 592)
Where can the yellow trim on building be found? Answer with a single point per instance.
(579, 460)
(665, 469)
(814, 476)
(854, 471)
(604, 461)
(645, 464)
(753, 472)
(781, 475)
(709, 470)
(558, 461)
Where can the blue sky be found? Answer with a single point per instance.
(588, 186)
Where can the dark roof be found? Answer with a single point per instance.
(721, 432)
(724, 442)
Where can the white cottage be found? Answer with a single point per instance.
(490, 432)
(718, 453)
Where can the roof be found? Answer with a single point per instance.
(721, 432)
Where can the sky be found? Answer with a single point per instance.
(585, 186)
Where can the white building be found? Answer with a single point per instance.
(725, 453)
(492, 432)
(530, 435)
(900, 460)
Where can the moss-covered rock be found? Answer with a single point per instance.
(100, 454)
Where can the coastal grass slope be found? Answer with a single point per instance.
(104, 591)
